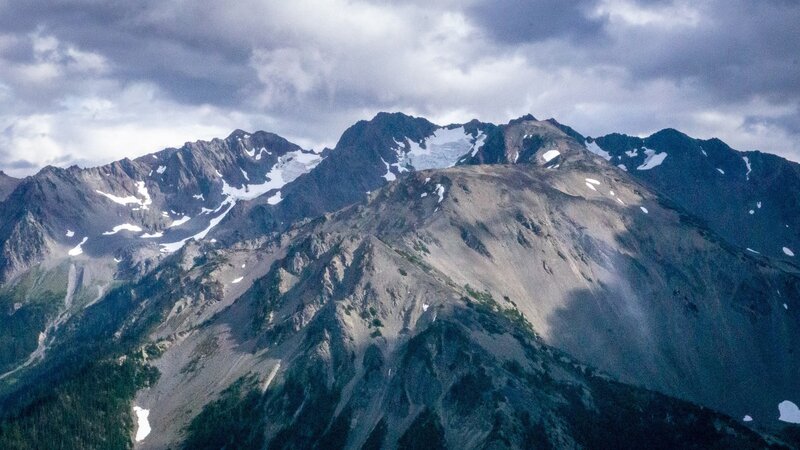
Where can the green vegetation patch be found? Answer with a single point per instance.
(90, 410)
(234, 420)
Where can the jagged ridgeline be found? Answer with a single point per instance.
(417, 286)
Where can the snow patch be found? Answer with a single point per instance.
(749, 168)
(287, 169)
(788, 251)
(124, 226)
(747, 419)
(141, 189)
(789, 412)
(179, 222)
(633, 153)
(70, 233)
(275, 199)
(758, 205)
(161, 169)
(400, 168)
(237, 280)
(594, 148)
(752, 251)
(389, 176)
(444, 148)
(175, 246)
(549, 155)
(152, 235)
(78, 249)
(622, 166)
(644, 210)
(720, 171)
(425, 307)
(142, 424)
(752, 212)
(440, 192)
(591, 186)
(652, 160)
(119, 200)
(260, 152)
(593, 181)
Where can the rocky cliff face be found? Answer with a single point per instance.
(749, 198)
(158, 201)
(7, 185)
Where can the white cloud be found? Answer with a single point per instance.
(134, 120)
(315, 67)
(628, 12)
(288, 73)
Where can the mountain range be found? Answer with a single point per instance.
(417, 286)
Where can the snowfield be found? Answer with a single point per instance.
(78, 249)
(550, 154)
(789, 412)
(124, 226)
(440, 192)
(141, 189)
(287, 169)
(172, 247)
(653, 159)
(275, 199)
(179, 222)
(142, 424)
(594, 148)
(749, 167)
(388, 176)
(444, 148)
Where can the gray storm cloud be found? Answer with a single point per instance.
(87, 82)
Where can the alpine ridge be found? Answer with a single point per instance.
(417, 286)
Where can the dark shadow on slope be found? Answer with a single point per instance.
(705, 322)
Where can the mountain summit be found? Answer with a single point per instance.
(418, 286)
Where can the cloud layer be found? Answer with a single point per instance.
(89, 81)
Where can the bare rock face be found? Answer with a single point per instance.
(749, 198)
(418, 286)
(159, 200)
(7, 185)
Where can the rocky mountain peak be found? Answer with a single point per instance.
(467, 285)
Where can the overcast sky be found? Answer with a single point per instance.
(90, 81)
